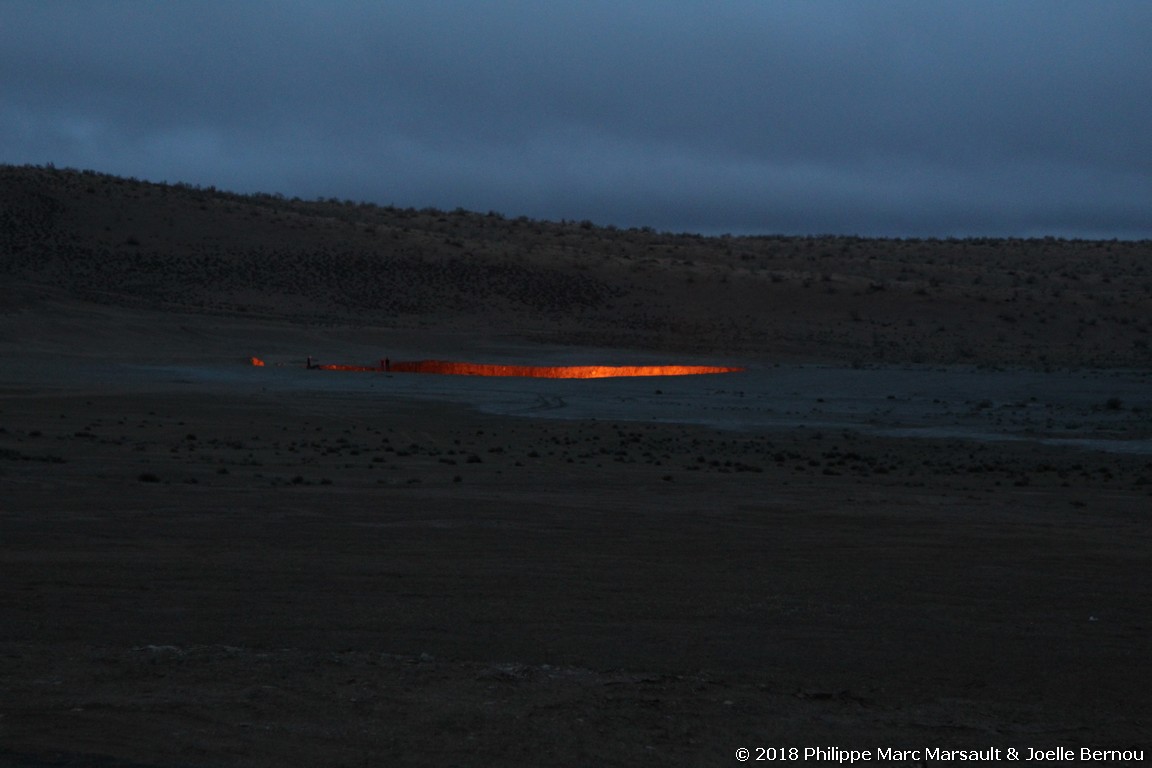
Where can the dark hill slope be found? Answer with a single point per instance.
(112, 240)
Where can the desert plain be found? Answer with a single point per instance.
(919, 517)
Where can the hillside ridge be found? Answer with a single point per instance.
(105, 239)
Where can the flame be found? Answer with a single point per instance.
(454, 368)
(527, 371)
(336, 367)
(555, 371)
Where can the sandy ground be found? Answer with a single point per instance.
(209, 564)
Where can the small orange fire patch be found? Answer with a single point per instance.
(340, 367)
(257, 362)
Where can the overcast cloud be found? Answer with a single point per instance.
(906, 118)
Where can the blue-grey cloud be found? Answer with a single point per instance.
(900, 118)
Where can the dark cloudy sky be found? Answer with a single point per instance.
(902, 117)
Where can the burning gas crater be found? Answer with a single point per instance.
(529, 371)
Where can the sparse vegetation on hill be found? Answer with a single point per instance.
(106, 239)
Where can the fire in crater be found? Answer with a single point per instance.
(453, 368)
(555, 371)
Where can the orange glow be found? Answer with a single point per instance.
(335, 367)
(257, 362)
(554, 371)
(529, 371)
